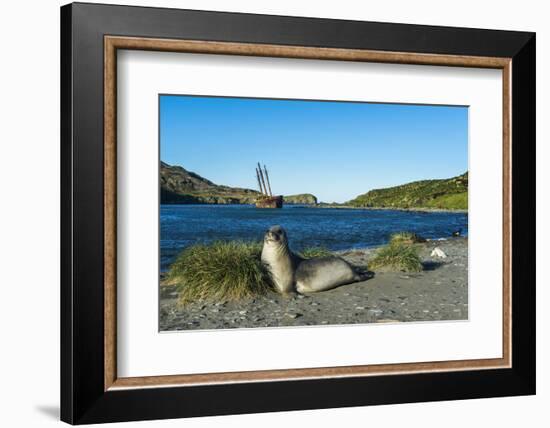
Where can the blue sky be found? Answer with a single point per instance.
(335, 150)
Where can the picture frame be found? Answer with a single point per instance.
(91, 35)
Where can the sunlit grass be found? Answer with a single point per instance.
(457, 201)
(220, 271)
(397, 256)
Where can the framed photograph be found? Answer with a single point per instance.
(265, 213)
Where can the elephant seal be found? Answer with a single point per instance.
(290, 272)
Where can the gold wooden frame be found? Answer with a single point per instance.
(113, 43)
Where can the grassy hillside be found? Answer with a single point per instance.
(449, 193)
(179, 186)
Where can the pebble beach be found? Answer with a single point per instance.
(439, 292)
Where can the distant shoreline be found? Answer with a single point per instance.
(179, 186)
(337, 206)
(412, 209)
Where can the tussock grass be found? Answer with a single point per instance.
(219, 271)
(407, 238)
(396, 256)
(312, 252)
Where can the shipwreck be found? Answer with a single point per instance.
(266, 199)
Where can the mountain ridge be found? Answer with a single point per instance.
(180, 186)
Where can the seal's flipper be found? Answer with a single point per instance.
(363, 275)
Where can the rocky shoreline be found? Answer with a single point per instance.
(439, 292)
(414, 209)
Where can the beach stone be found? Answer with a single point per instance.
(438, 252)
(292, 315)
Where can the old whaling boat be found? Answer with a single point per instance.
(266, 199)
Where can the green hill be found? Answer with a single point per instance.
(449, 193)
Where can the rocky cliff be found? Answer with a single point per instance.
(301, 199)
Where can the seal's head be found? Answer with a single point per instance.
(275, 236)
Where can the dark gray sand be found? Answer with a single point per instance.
(440, 292)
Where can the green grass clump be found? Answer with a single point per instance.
(396, 256)
(311, 252)
(219, 271)
(406, 238)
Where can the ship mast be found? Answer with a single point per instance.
(259, 181)
(262, 178)
(266, 198)
(267, 178)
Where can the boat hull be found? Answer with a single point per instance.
(269, 202)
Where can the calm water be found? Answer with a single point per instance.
(335, 229)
